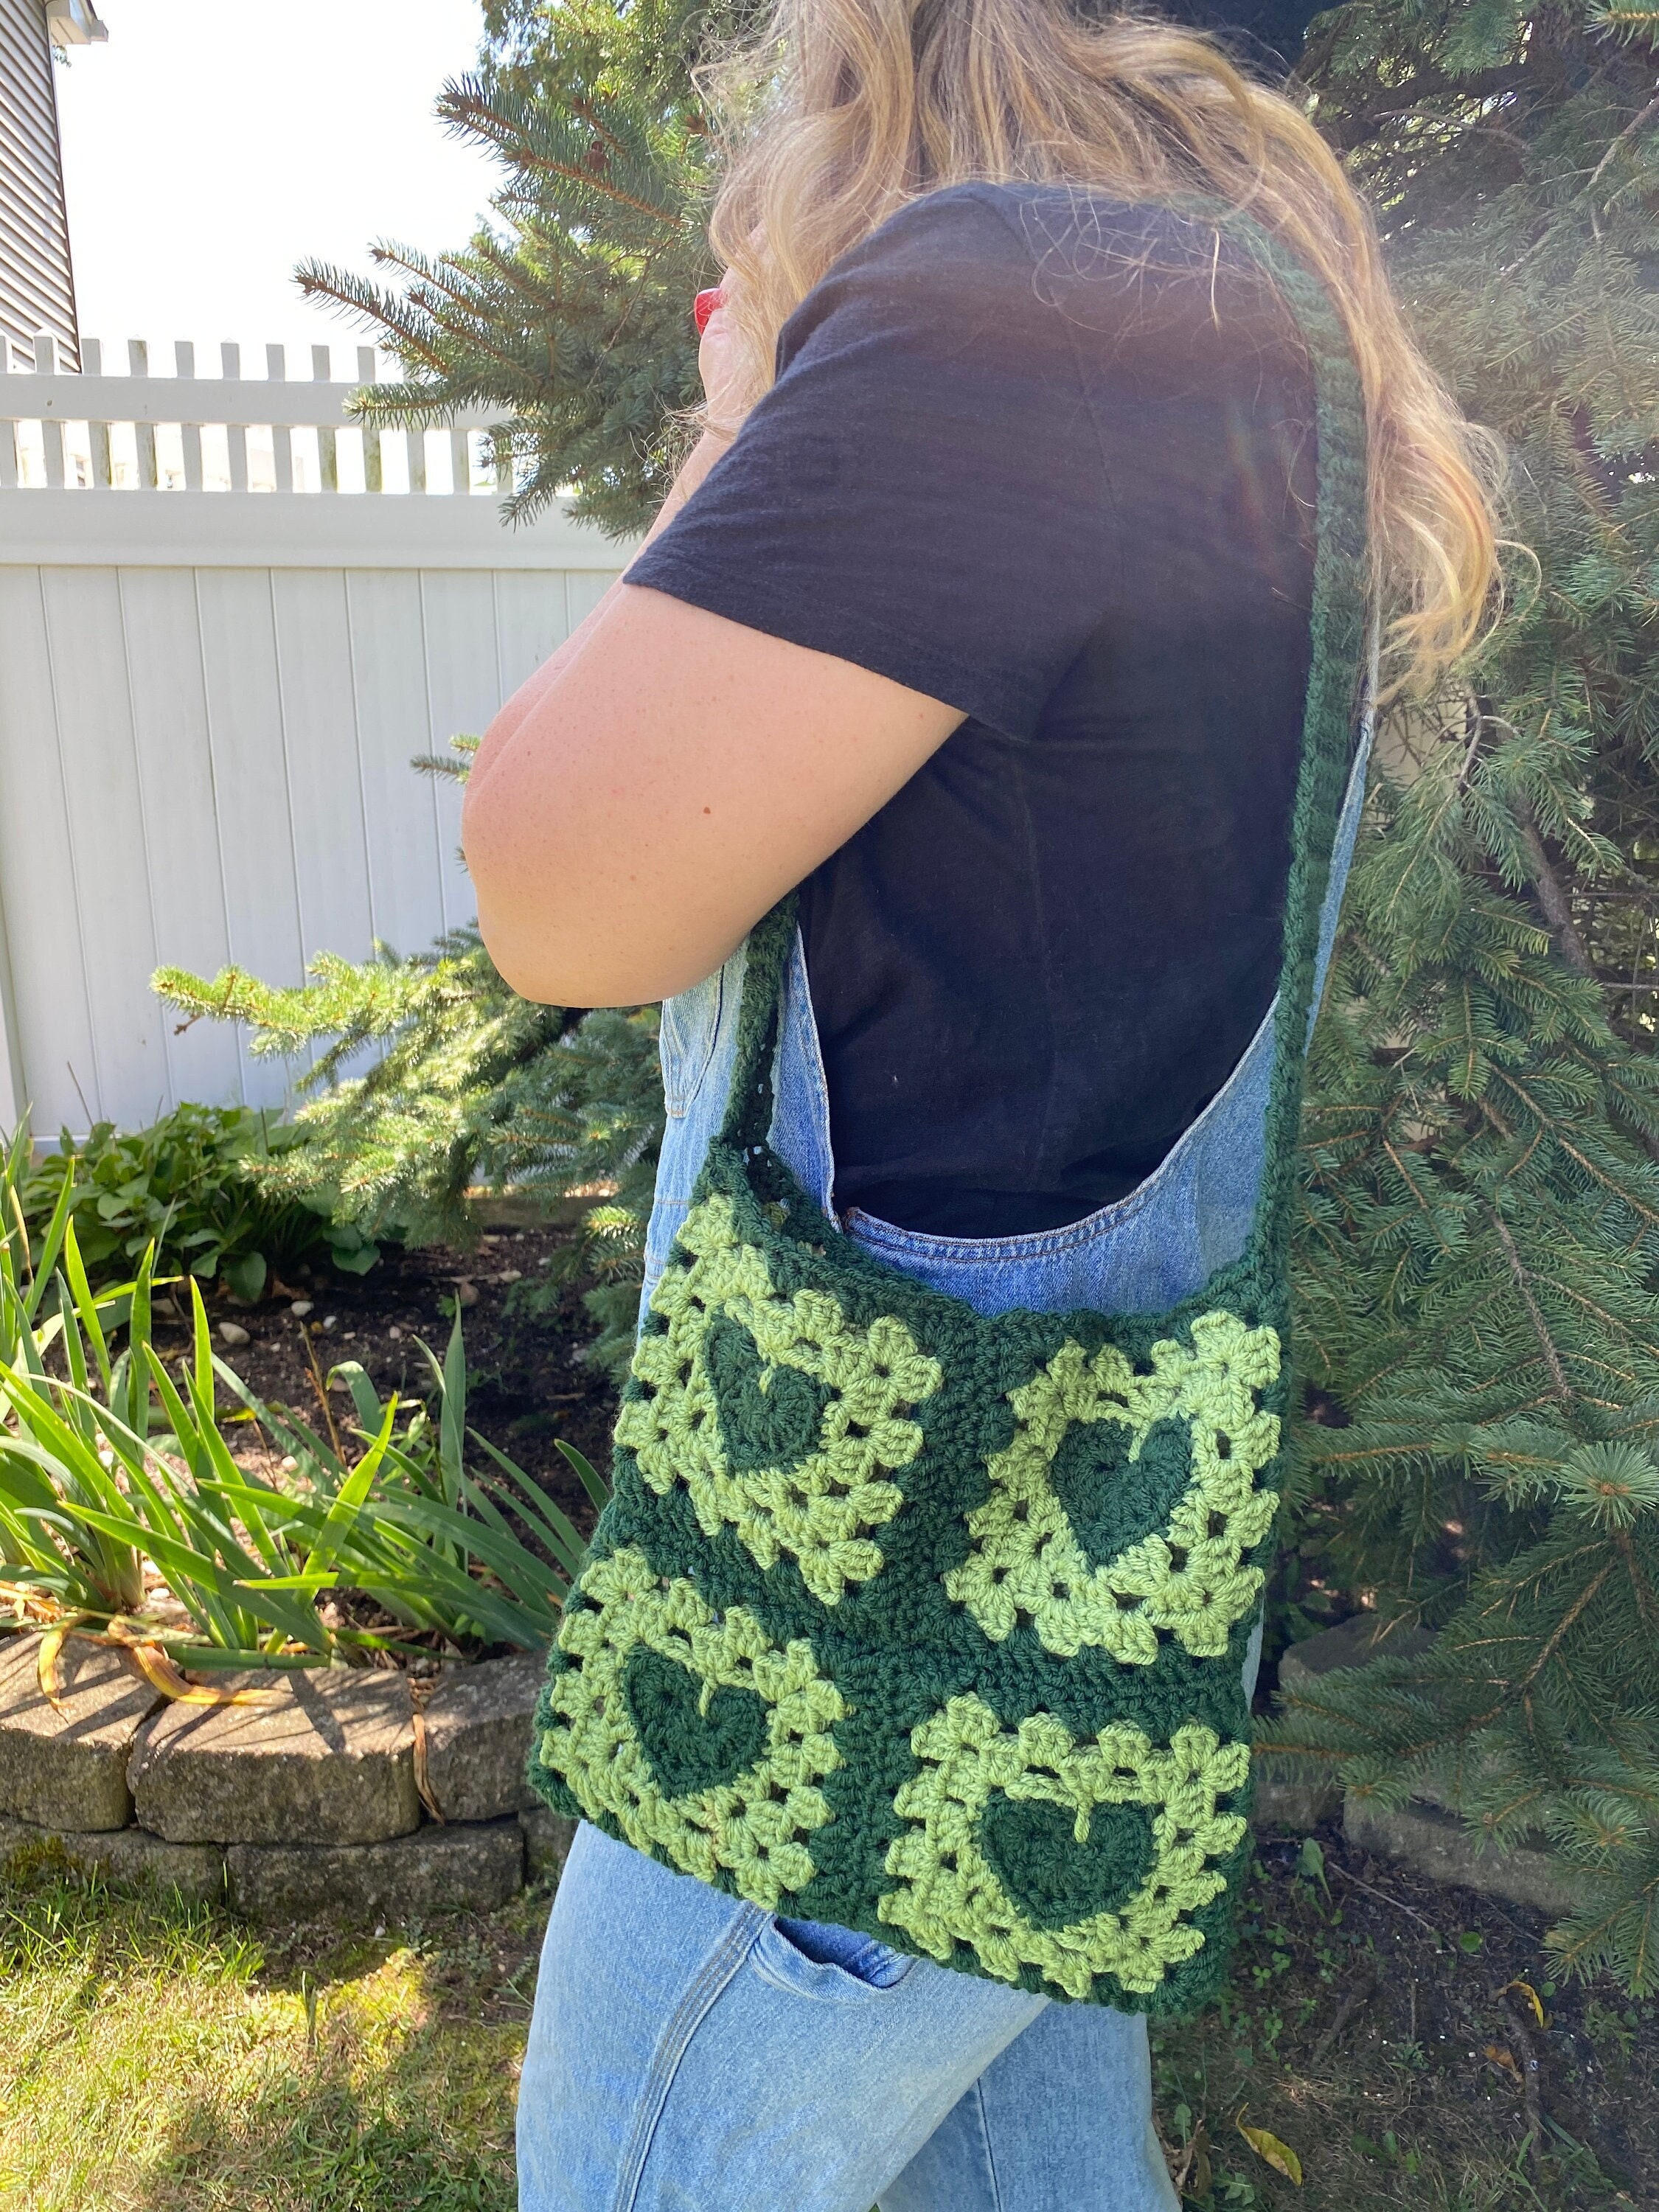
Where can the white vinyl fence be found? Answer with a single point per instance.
(228, 620)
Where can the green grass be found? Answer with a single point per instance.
(160, 2058)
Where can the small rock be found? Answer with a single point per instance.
(511, 1275)
(466, 1294)
(548, 1836)
(302, 1306)
(477, 1736)
(394, 1331)
(449, 1869)
(66, 1765)
(331, 1757)
(1301, 1803)
(330, 1323)
(233, 1332)
(289, 1465)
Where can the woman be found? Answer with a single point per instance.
(989, 611)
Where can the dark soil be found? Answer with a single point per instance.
(528, 1385)
(1376, 2025)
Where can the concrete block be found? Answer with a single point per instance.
(452, 1868)
(477, 1736)
(127, 1855)
(331, 1760)
(1298, 1805)
(548, 1836)
(1436, 1843)
(66, 1765)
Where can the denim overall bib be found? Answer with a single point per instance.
(689, 2049)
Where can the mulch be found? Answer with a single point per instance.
(529, 1385)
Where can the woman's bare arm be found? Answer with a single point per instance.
(663, 786)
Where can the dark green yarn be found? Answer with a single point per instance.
(898, 1649)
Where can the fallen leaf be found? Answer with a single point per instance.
(1278, 2155)
(1500, 2057)
(422, 1776)
(1190, 2170)
(159, 1671)
(1532, 1998)
(47, 1667)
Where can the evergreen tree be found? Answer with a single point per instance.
(571, 312)
(471, 1087)
(1478, 1252)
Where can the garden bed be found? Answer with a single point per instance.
(530, 1385)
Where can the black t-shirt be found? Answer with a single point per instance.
(1050, 459)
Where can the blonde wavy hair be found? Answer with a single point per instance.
(841, 111)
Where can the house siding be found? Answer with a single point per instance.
(37, 286)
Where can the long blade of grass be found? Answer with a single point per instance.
(451, 1376)
(159, 1672)
(51, 1242)
(138, 1324)
(523, 1573)
(560, 1535)
(586, 1474)
(86, 1305)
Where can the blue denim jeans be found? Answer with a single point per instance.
(690, 2052)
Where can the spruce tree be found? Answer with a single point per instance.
(1477, 1256)
(570, 310)
(470, 1087)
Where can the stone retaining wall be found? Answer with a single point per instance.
(341, 1797)
(334, 1797)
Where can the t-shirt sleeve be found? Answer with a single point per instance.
(921, 491)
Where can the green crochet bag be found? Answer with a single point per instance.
(932, 1625)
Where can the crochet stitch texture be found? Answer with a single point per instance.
(931, 1623)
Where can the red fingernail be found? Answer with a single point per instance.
(704, 306)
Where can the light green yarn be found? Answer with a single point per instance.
(1188, 1578)
(819, 1504)
(949, 1893)
(753, 1825)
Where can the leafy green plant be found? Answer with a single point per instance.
(417, 1541)
(473, 1087)
(108, 1461)
(190, 1186)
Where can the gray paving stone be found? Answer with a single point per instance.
(548, 1836)
(1351, 1644)
(1437, 1844)
(129, 1856)
(452, 1868)
(66, 1765)
(477, 1736)
(331, 1761)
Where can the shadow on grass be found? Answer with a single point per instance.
(323, 2140)
(160, 2058)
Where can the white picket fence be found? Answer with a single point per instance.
(228, 620)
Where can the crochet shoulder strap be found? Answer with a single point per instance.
(1338, 662)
